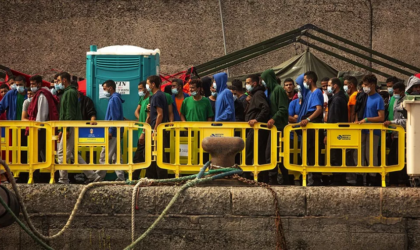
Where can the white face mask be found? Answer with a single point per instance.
(305, 85)
(263, 83)
(346, 88)
(248, 87)
(148, 87)
(366, 90)
(214, 85)
(235, 97)
(141, 93)
(329, 90)
(300, 95)
(390, 91)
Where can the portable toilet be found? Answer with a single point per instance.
(125, 64)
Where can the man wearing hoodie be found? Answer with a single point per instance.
(400, 118)
(114, 112)
(279, 103)
(258, 111)
(413, 85)
(337, 107)
(225, 106)
(70, 111)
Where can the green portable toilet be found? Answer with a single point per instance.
(125, 64)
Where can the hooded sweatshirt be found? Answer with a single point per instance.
(279, 101)
(69, 105)
(258, 107)
(306, 93)
(115, 112)
(337, 108)
(413, 80)
(225, 106)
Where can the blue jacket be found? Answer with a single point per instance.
(306, 93)
(115, 112)
(8, 103)
(177, 116)
(225, 106)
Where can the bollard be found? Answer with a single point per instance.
(412, 105)
(223, 149)
(6, 219)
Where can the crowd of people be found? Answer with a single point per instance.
(261, 99)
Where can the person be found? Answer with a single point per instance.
(213, 98)
(70, 111)
(279, 103)
(11, 82)
(240, 92)
(239, 107)
(142, 114)
(196, 108)
(114, 112)
(42, 108)
(87, 107)
(25, 116)
(400, 118)
(178, 97)
(169, 101)
(294, 109)
(374, 113)
(337, 107)
(206, 83)
(351, 89)
(413, 85)
(58, 88)
(258, 110)
(289, 87)
(389, 84)
(158, 114)
(327, 96)
(312, 112)
(4, 88)
(225, 106)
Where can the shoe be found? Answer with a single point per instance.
(96, 179)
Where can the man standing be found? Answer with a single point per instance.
(158, 114)
(374, 113)
(70, 111)
(337, 107)
(312, 113)
(42, 108)
(114, 112)
(178, 97)
(240, 92)
(258, 111)
(225, 106)
(289, 87)
(400, 118)
(86, 105)
(351, 89)
(327, 96)
(279, 117)
(196, 108)
(239, 106)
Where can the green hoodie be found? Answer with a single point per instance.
(278, 100)
(69, 105)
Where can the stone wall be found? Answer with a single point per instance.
(44, 34)
(224, 218)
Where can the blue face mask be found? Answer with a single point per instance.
(329, 89)
(13, 86)
(235, 97)
(397, 96)
(214, 94)
(390, 91)
(34, 89)
(249, 88)
(174, 91)
(58, 86)
(194, 93)
(141, 93)
(21, 89)
(107, 94)
(300, 95)
(53, 91)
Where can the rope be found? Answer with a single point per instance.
(133, 206)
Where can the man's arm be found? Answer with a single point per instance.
(43, 109)
(71, 100)
(137, 112)
(171, 113)
(4, 103)
(317, 113)
(159, 117)
(352, 113)
(183, 118)
(293, 119)
(91, 111)
(379, 119)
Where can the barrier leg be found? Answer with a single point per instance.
(304, 178)
(383, 175)
(52, 173)
(31, 175)
(255, 175)
(130, 174)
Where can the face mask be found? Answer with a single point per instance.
(346, 87)
(194, 93)
(148, 87)
(298, 87)
(264, 84)
(300, 95)
(235, 97)
(390, 91)
(107, 94)
(329, 89)
(249, 87)
(141, 93)
(13, 86)
(34, 89)
(58, 86)
(214, 94)
(397, 96)
(21, 89)
(305, 85)
(30, 99)
(214, 85)
(174, 91)
(366, 90)
(53, 91)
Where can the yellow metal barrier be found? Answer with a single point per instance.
(96, 135)
(186, 153)
(24, 158)
(342, 137)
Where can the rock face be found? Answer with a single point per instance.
(224, 218)
(40, 35)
